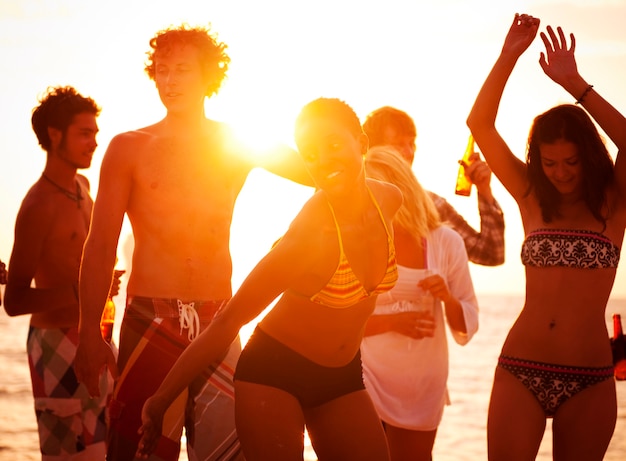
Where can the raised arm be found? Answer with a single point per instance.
(484, 246)
(507, 167)
(558, 63)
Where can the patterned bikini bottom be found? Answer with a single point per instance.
(551, 384)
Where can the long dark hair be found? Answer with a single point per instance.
(570, 123)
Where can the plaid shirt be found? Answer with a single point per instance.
(485, 247)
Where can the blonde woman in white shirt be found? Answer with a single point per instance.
(405, 351)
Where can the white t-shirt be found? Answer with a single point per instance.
(407, 378)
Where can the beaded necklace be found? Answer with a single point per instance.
(77, 197)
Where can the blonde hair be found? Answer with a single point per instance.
(418, 214)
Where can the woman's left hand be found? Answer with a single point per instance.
(558, 61)
(151, 427)
(437, 287)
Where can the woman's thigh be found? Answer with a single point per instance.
(345, 428)
(516, 422)
(405, 444)
(269, 421)
(584, 424)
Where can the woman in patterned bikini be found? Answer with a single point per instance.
(556, 360)
(302, 365)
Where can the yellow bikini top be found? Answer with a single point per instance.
(344, 289)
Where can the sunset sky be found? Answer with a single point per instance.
(428, 58)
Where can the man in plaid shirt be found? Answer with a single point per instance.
(390, 126)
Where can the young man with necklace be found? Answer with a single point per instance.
(50, 230)
(177, 180)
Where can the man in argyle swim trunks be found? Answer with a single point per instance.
(50, 231)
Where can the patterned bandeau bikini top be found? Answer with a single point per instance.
(569, 248)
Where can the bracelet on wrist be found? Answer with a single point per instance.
(582, 98)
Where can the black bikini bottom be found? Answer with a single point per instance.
(267, 361)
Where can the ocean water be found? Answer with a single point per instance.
(462, 433)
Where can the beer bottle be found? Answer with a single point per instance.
(618, 347)
(463, 184)
(107, 320)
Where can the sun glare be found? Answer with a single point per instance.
(258, 138)
(256, 124)
(255, 138)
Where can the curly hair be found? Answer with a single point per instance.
(331, 108)
(570, 123)
(56, 109)
(213, 57)
(418, 214)
(377, 121)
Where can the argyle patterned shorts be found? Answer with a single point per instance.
(68, 421)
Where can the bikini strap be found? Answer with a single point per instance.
(380, 213)
(332, 212)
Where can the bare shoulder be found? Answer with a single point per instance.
(311, 221)
(38, 206)
(387, 195)
(133, 139)
(215, 142)
(313, 214)
(127, 149)
(84, 181)
(305, 238)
